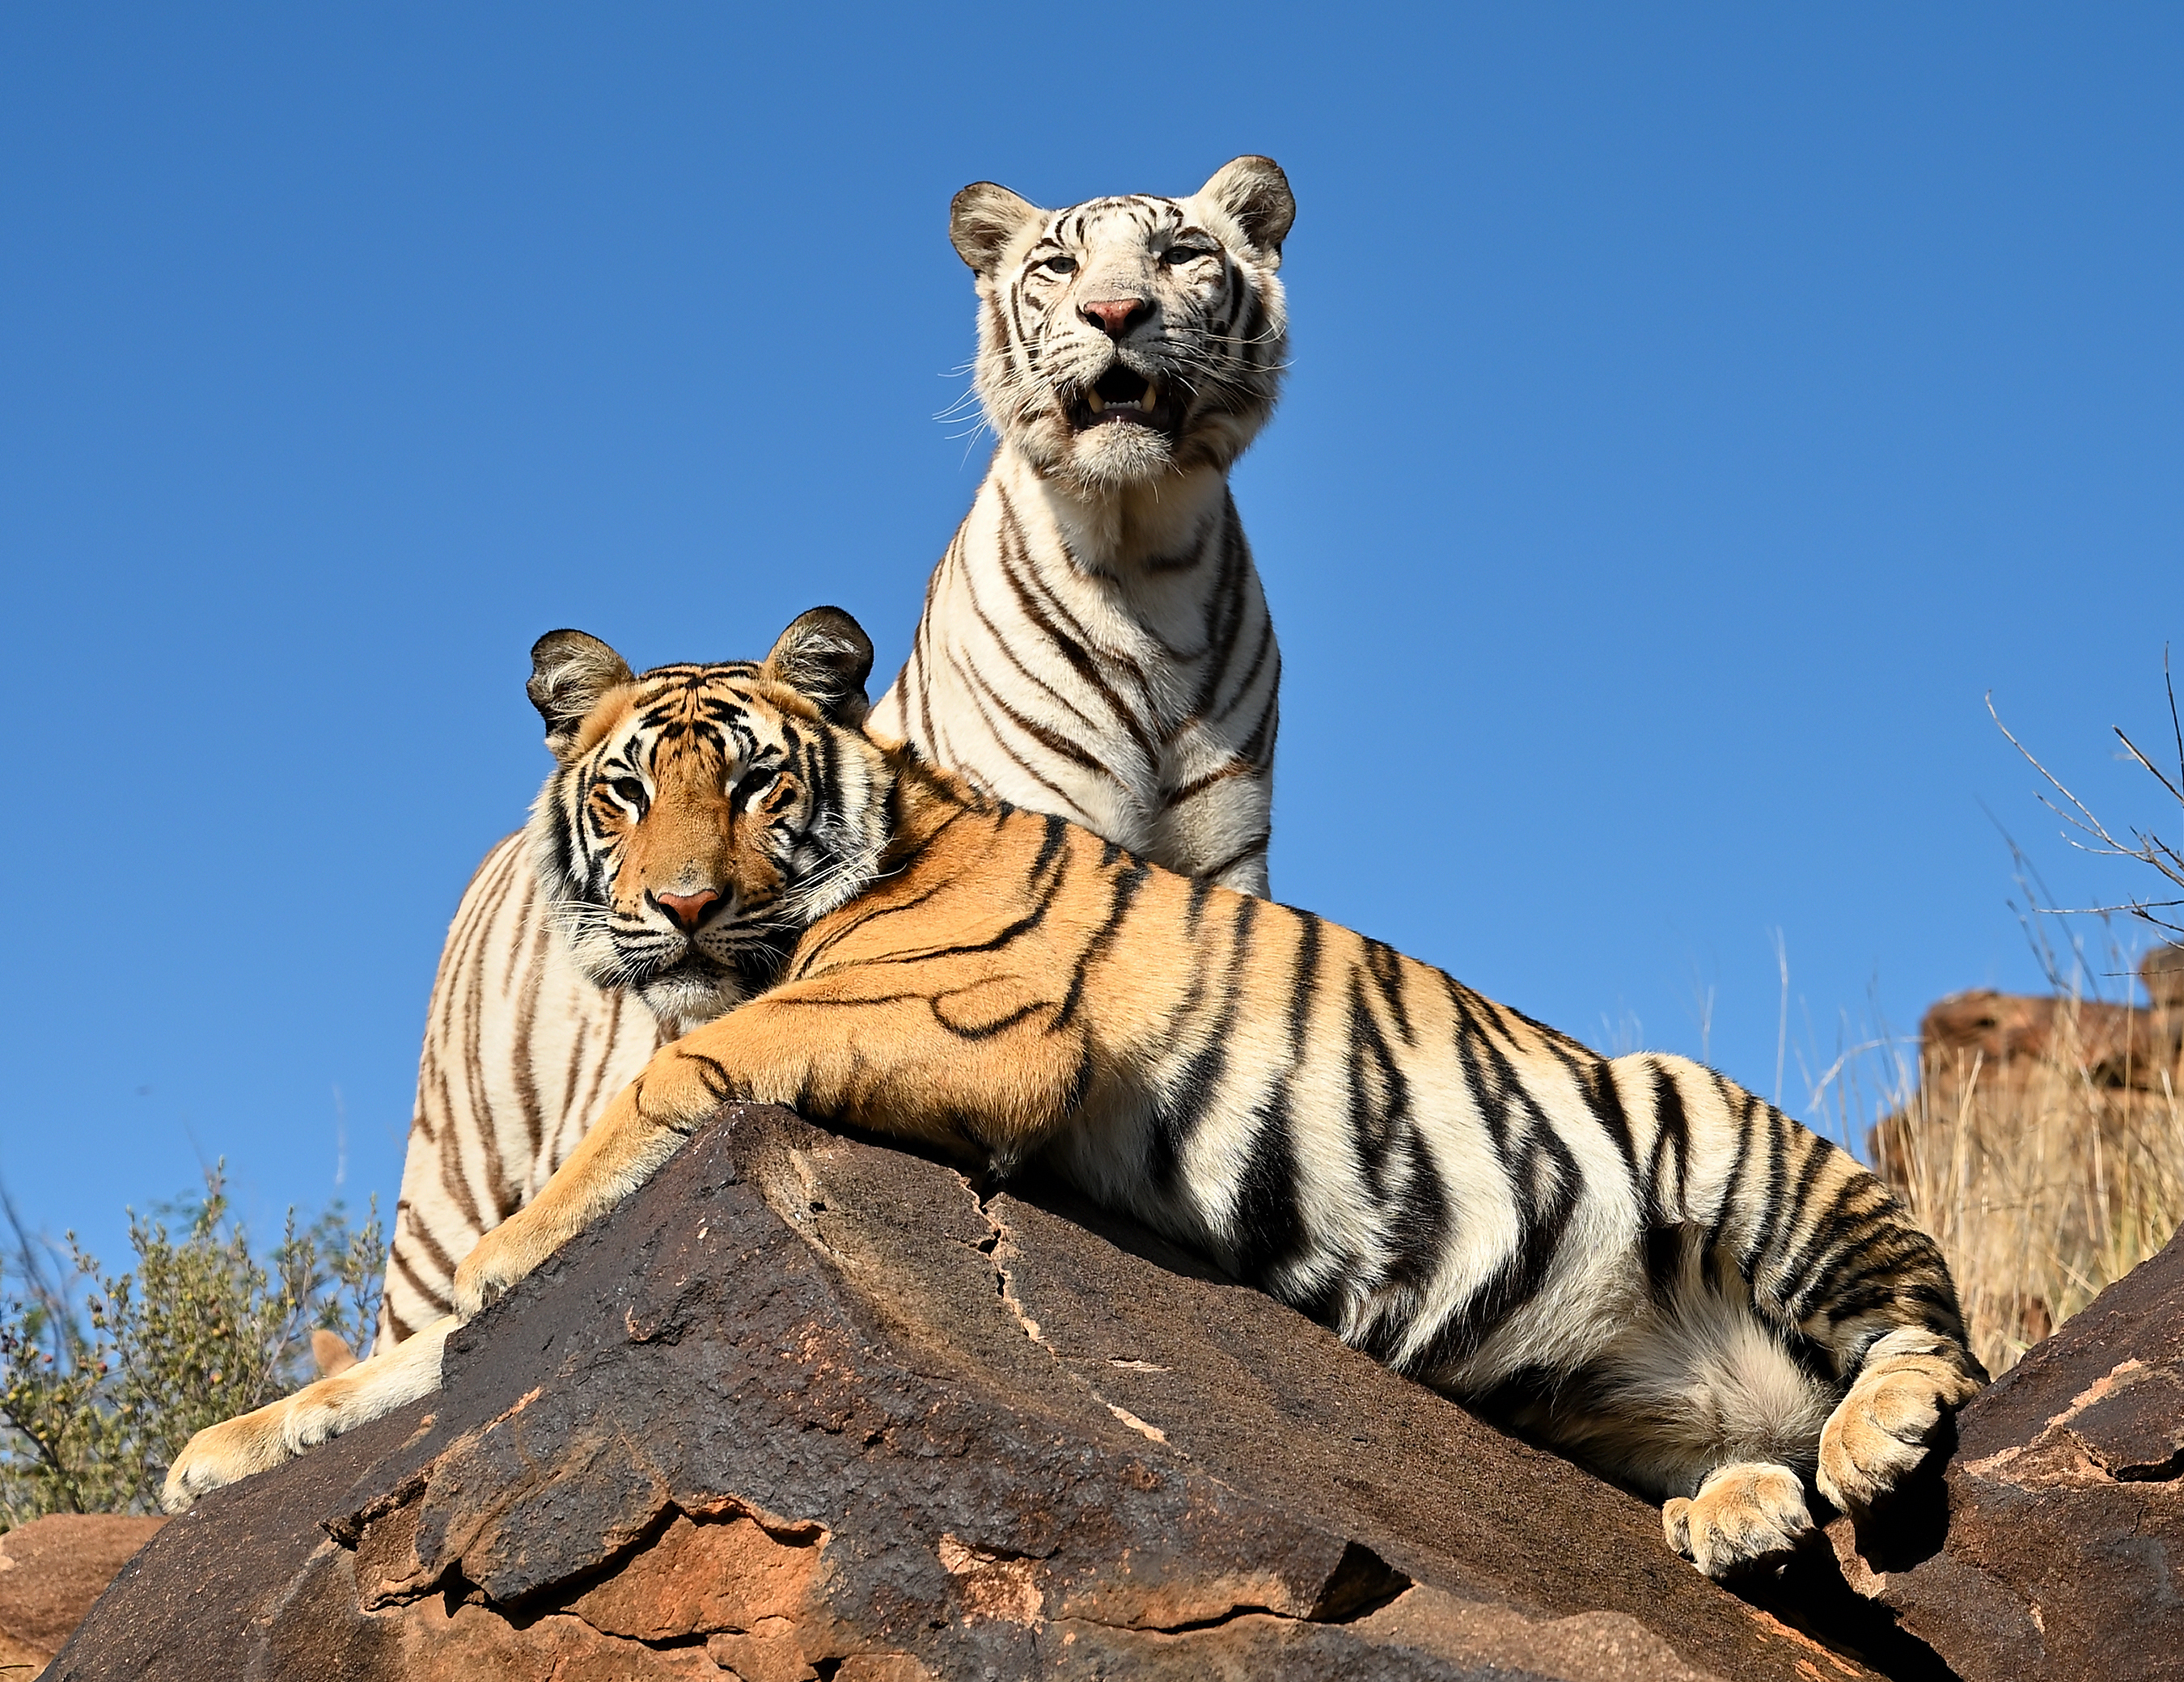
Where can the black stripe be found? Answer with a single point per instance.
(1183, 1108)
(1127, 884)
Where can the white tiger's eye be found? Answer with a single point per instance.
(1060, 264)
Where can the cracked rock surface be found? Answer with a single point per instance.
(811, 1407)
(2064, 1555)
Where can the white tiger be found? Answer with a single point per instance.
(1094, 644)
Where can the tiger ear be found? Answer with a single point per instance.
(983, 218)
(1255, 195)
(569, 673)
(825, 656)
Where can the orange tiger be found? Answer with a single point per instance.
(1629, 1259)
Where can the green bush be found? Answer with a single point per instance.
(103, 1380)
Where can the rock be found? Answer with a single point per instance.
(1989, 1044)
(2123, 1047)
(2161, 973)
(812, 1407)
(2065, 1506)
(51, 1571)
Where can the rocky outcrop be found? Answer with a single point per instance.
(51, 1571)
(2065, 1506)
(1981, 1048)
(810, 1407)
(2125, 1047)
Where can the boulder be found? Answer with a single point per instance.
(2065, 1506)
(809, 1406)
(51, 1571)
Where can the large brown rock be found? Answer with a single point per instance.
(51, 1571)
(813, 1407)
(2064, 1543)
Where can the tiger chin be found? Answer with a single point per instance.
(1630, 1259)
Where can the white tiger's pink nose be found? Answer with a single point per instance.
(1116, 316)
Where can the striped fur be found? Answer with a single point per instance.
(1094, 643)
(522, 1049)
(1631, 1259)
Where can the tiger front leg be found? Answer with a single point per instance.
(644, 1125)
(978, 1061)
(1881, 1432)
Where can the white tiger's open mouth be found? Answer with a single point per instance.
(1122, 396)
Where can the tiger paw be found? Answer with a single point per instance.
(503, 1256)
(1885, 1428)
(1745, 1517)
(227, 1453)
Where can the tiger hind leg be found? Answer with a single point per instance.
(1695, 1398)
(1713, 1411)
(1908, 1382)
(1745, 1515)
(258, 1441)
(1751, 1514)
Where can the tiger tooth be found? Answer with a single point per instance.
(1098, 403)
(1150, 398)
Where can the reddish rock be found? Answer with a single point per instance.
(811, 1407)
(2065, 1506)
(2120, 1046)
(51, 1571)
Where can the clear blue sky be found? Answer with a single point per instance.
(1695, 411)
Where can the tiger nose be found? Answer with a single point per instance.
(1116, 316)
(688, 909)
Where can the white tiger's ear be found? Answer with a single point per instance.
(569, 673)
(983, 219)
(825, 656)
(1255, 195)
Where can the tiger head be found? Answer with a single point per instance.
(1123, 339)
(702, 816)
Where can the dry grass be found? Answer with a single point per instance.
(2043, 1142)
(2046, 1167)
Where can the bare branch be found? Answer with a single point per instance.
(2149, 849)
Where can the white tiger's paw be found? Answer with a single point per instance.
(1883, 1429)
(232, 1449)
(1745, 1516)
(225, 1453)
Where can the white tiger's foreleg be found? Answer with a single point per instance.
(255, 1442)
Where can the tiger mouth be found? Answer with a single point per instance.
(695, 965)
(1122, 396)
(688, 965)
